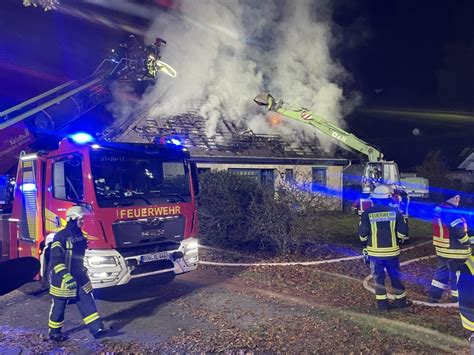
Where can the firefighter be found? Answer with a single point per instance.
(68, 277)
(452, 246)
(381, 229)
(400, 201)
(465, 286)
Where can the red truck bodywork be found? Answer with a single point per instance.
(151, 237)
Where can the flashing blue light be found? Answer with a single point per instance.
(82, 138)
(28, 187)
(175, 141)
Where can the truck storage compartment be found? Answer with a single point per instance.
(4, 237)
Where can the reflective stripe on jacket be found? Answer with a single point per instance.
(466, 292)
(450, 237)
(382, 228)
(67, 258)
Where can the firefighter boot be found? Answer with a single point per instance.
(403, 303)
(57, 335)
(383, 305)
(101, 332)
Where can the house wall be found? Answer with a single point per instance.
(465, 177)
(302, 174)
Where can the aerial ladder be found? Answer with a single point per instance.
(54, 110)
(377, 170)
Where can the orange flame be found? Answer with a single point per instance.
(274, 120)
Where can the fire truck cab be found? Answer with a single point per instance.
(141, 198)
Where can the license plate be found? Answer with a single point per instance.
(153, 257)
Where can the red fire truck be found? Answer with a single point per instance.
(141, 199)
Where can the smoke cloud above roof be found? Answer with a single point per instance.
(227, 51)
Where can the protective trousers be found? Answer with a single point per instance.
(392, 265)
(86, 306)
(445, 277)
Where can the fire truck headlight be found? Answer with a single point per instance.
(100, 261)
(191, 247)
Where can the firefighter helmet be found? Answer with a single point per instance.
(366, 190)
(75, 212)
(381, 192)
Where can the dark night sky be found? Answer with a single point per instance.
(417, 55)
(420, 53)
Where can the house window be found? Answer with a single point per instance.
(251, 173)
(263, 176)
(319, 179)
(289, 175)
(268, 177)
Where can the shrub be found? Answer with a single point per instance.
(238, 212)
(224, 204)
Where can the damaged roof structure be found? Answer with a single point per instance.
(267, 157)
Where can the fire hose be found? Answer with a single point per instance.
(319, 262)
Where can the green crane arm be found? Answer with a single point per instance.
(324, 126)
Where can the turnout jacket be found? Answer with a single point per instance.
(466, 293)
(381, 229)
(67, 257)
(450, 237)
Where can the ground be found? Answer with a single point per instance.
(286, 309)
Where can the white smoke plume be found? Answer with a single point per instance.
(227, 51)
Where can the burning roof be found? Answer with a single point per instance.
(229, 140)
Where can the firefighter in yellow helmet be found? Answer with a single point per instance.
(68, 277)
(381, 229)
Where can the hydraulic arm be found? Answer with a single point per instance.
(132, 61)
(54, 110)
(324, 126)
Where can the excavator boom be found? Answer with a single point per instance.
(377, 170)
(306, 116)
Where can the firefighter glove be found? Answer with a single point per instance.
(404, 240)
(69, 282)
(365, 253)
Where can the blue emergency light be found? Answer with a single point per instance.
(82, 138)
(175, 141)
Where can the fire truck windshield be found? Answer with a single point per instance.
(124, 178)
